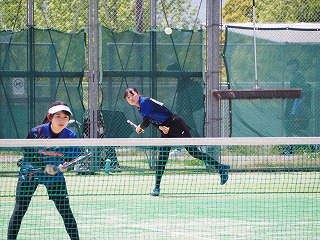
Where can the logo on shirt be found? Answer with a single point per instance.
(157, 102)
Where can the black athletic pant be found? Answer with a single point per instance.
(192, 150)
(57, 193)
(178, 129)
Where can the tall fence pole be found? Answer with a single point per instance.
(31, 64)
(213, 68)
(96, 60)
(93, 73)
(153, 13)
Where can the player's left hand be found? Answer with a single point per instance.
(164, 129)
(51, 169)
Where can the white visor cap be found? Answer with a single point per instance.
(59, 108)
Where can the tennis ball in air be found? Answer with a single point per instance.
(168, 30)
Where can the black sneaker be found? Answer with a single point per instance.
(224, 175)
(155, 192)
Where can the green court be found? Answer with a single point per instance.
(252, 205)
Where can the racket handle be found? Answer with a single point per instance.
(134, 125)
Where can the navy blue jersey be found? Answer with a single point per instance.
(41, 156)
(154, 110)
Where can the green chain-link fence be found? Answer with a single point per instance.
(275, 43)
(125, 58)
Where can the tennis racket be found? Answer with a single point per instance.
(29, 169)
(29, 172)
(75, 161)
(133, 125)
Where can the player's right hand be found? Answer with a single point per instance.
(139, 130)
(62, 168)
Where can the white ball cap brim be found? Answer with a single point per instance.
(59, 108)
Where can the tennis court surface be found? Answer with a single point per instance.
(270, 194)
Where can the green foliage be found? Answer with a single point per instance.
(272, 11)
(12, 14)
(237, 11)
(177, 14)
(118, 15)
(290, 11)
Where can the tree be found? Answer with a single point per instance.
(57, 14)
(272, 11)
(72, 15)
(237, 11)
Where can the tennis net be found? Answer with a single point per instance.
(273, 189)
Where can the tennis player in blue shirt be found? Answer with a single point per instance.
(171, 126)
(48, 162)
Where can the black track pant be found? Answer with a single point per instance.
(178, 128)
(192, 150)
(57, 193)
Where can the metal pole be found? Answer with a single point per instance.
(153, 57)
(91, 72)
(213, 68)
(139, 15)
(93, 75)
(153, 83)
(153, 14)
(138, 40)
(30, 13)
(96, 60)
(31, 64)
(255, 46)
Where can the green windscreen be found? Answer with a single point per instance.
(38, 67)
(168, 68)
(285, 58)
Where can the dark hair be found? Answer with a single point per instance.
(131, 91)
(56, 103)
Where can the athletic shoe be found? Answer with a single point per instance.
(224, 175)
(155, 192)
(115, 168)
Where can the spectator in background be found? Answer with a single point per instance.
(105, 152)
(296, 119)
(190, 98)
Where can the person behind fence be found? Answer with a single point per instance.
(296, 119)
(171, 126)
(44, 166)
(105, 152)
(189, 98)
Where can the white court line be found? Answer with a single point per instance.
(172, 233)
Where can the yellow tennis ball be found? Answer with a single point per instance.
(168, 30)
